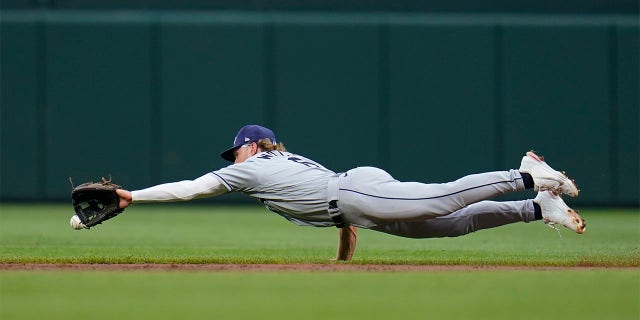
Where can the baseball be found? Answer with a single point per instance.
(75, 223)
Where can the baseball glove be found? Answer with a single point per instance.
(96, 202)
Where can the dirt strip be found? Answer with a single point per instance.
(284, 267)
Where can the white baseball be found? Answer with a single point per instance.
(75, 222)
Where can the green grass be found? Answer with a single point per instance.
(583, 294)
(213, 234)
(217, 234)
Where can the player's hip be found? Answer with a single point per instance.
(352, 195)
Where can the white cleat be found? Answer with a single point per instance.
(555, 211)
(545, 177)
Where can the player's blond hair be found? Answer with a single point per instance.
(267, 145)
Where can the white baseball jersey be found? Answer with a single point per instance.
(290, 185)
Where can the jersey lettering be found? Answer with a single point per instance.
(266, 156)
(304, 162)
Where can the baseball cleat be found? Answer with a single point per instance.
(555, 211)
(545, 177)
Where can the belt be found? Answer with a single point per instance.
(335, 214)
(332, 200)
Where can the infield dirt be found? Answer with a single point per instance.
(284, 267)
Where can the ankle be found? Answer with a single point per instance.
(537, 211)
(528, 180)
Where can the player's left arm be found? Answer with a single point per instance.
(205, 186)
(347, 244)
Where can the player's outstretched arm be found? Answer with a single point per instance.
(205, 186)
(347, 244)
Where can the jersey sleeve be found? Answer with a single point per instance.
(205, 186)
(239, 176)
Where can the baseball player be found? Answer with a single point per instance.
(308, 194)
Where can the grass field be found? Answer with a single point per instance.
(608, 289)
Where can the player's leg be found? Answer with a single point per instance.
(478, 216)
(371, 193)
(490, 214)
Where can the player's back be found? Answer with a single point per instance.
(289, 184)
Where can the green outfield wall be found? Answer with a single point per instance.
(151, 97)
(446, 6)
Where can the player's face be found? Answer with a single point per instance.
(245, 152)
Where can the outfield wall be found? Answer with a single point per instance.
(151, 97)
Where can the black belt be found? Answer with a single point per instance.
(335, 214)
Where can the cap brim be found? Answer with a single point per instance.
(229, 154)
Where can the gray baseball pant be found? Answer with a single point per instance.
(371, 198)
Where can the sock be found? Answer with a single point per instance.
(528, 180)
(537, 211)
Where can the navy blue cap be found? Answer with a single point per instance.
(247, 134)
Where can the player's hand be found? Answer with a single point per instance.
(125, 198)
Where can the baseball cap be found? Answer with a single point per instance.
(247, 134)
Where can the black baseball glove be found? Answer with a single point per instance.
(96, 202)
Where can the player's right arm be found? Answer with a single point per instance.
(347, 245)
(205, 186)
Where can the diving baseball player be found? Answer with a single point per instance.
(308, 194)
